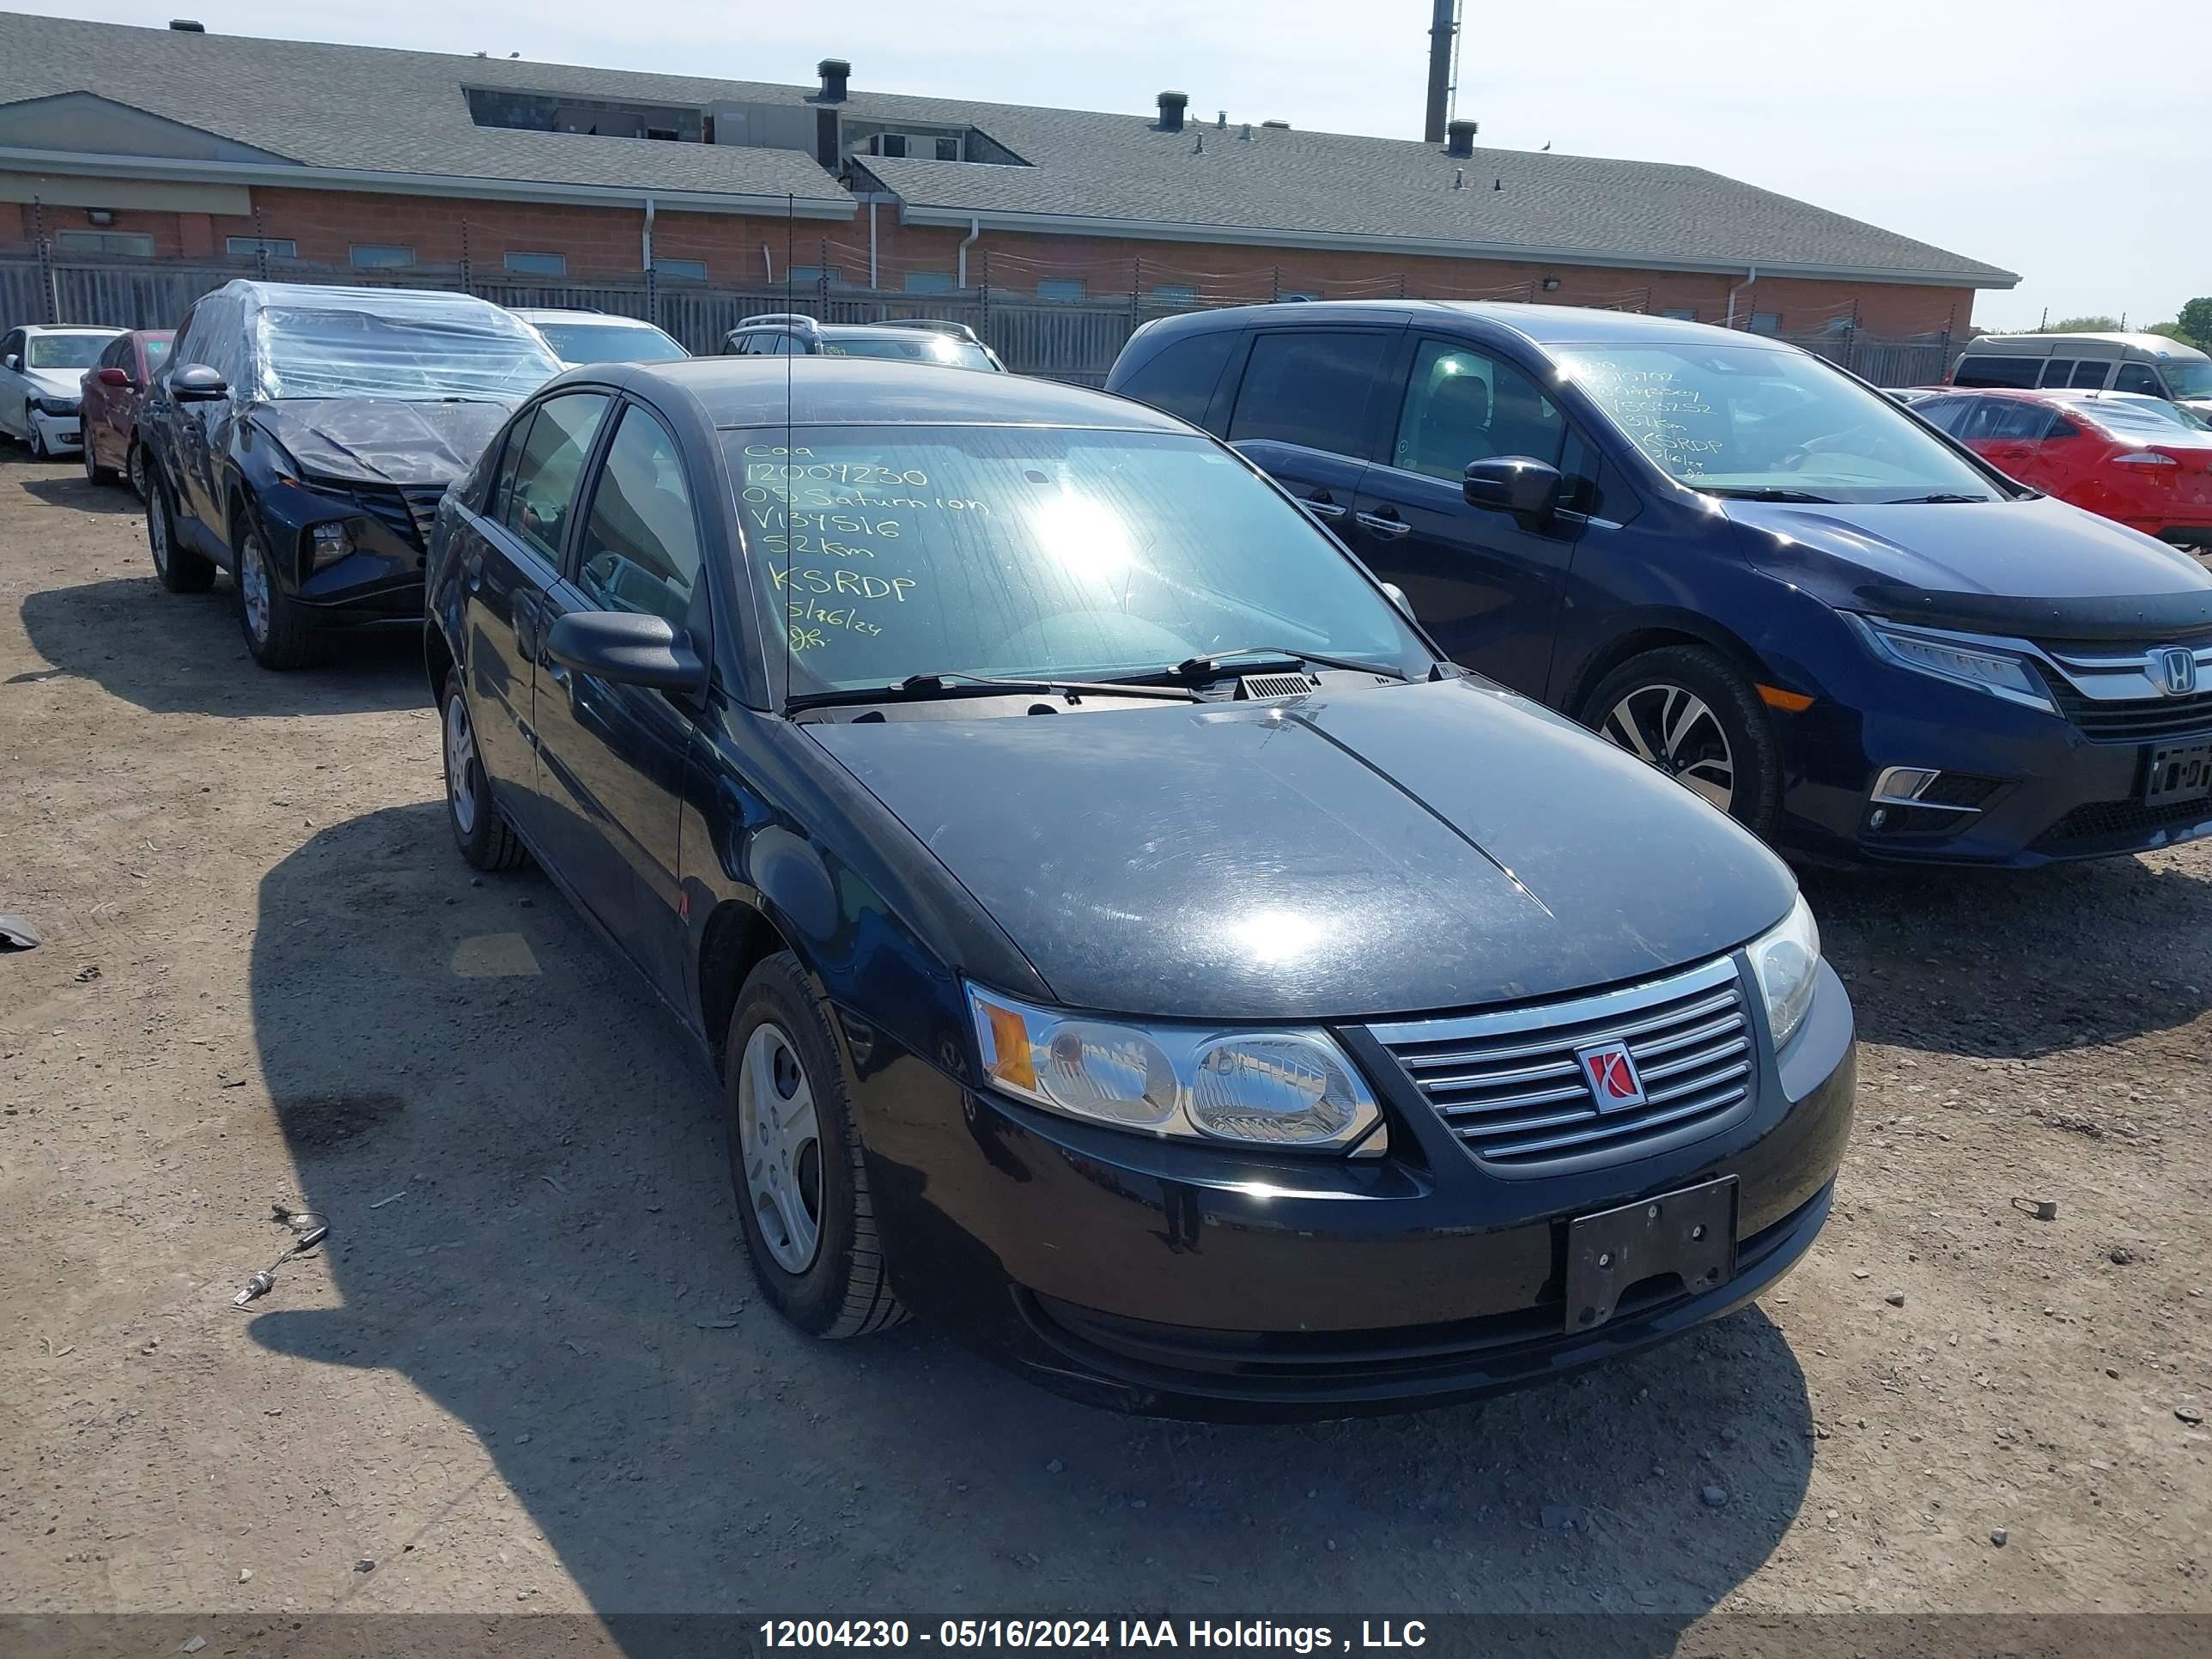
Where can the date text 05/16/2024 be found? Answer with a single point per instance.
(1108, 1635)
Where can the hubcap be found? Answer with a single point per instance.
(253, 585)
(157, 531)
(779, 1142)
(1674, 731)
(460, 757)
(138, 470)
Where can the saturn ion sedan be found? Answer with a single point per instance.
(1120, 934)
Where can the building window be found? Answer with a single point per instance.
(1061, 288)
(277, 247)
(381, 256)
(1174, 293)
(129, 244)
(1681, 313)
(683, 271)
(1767, 322)
(929, 282)
(539, 265)
(814, 275)
(948, 149)
(892, 144)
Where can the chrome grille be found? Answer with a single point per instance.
(1508, 1085)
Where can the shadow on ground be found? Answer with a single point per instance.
(564, 1277)
(1996, 965)
(183, 654)
(74, 492)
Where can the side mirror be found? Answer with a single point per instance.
(11, 362)
(1398, 596)
(114, 377)
(628, 649)
(195, 383)
(1513, 484)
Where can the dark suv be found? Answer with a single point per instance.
(1741, 564)
(300, 437)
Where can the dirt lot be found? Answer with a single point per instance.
(530, 1372)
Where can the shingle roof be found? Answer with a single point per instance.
(358, 107)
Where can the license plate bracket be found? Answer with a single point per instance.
(2177, 772)
(1691, 1232)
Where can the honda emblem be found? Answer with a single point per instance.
(2173, 670)
(1611, 1076)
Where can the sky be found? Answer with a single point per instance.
(2019, 132)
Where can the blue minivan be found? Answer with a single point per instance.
(1739, 563)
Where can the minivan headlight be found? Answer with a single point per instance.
(1287, 1090)
(2000, 673)
(1786, 960)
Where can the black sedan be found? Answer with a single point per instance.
(1119, 933)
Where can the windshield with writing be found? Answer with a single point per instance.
(1030, 552)
(1746, 419)
(67, 350)
(2188, 379)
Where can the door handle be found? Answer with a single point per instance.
(1391, 528)
(1322, 507)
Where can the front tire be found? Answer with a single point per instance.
(795, 1163)
(37, 439)
(487, 841)
(181, 570)
(277, 628)
(94, 473)
(136, 469)
(1691, 712)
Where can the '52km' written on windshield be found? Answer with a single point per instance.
(838, 539)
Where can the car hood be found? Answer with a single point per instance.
(56, 382)
(2037, 568)
(1377, 852)
(381, 440)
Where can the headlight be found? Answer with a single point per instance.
(1293, 1090)
(58, 406)
(1785, 961)
(2002, 673)
(330, 541)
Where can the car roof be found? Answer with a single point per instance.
(751, 392)
(72, 328)
(1539, 324)
(2156, 345)
(561, 314)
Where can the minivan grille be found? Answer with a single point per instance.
(2136, 720)
(1508, 1086)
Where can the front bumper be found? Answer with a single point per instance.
(378, 578)
(1197, 1281)
(64, 434)
(2056, 796)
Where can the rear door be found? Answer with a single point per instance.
(610, 757)
(15, 386)
(1485, 585)
(511, 555)
(1304, 411)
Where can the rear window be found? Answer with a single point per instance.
(1309, 388)
(1181, 378)
(1998, 371)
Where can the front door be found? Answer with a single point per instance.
(1301, 414)
(510, 555)
(1486, 585)
(612, 757)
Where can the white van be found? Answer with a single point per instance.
(2147, 364)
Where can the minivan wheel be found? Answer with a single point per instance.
(802, 1188)
(181, 570)
(487, 841)
(276, 633)
(1686, 710)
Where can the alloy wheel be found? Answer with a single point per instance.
(253, 585)
(1677, 731)
(91, 466)
(157, 531)
(460, 760)
(779, 1142)
(138, 470)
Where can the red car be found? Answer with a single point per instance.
(113, 388)
(2141, 460)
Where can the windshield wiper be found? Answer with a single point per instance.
(1937, 499)
(952, 684)
(1728, 493)
(1208, 666)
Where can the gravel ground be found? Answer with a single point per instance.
(530, 1370)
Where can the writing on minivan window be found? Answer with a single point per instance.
(1017, 552)
(1668, 420)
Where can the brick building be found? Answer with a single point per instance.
(121, 145)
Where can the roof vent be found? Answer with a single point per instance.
(1172, 105)
(1459, 138)
(1279, 126)
(187, 26)
(835, 73)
